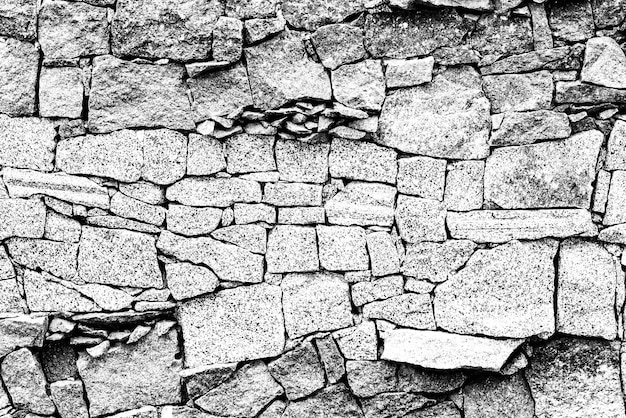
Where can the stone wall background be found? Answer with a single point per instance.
(312, 208)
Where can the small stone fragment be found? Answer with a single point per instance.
(331, 358)
(186, 280)
(299, 371)
(359, 342)
(200, 380)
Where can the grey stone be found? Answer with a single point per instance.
(127, 207)
(565, 376)
(342, 248)
(369, 378)
(534, 176)
(613, 234)
(358, 160)
(186, 280)
(228, 262)
(248, 153)
(19, 62)
(338, 44)
(523, 128)
(359, 342)
(446, 409)
(74, 189)
(454, 117)
(394, 404)
(315, 302)
(420, 219)
(275, 410)
(301, 162)
(164, 155)
(205, 155)
(360, 85)
(61, 92)
(601, 193)
(123, 95)
(61, 228)
(57, 258)
(436, 261)
(26, 383)
(255, 30)
(299, 371)
(495, 35)
(379, 289)
(560, 58)
(292, 194)
(251, 237)
(464, 185)
(245, 9)
(416, 379)
(362, 203)
(68, 396)
(218, 93)
(22, 331)
(69, 29)
(280, 71)
(144, 191)
(331, 358)
(422, 176)
(444, 351)
(507, 291)
(116, 222)
(244, 323)
(150, 374)
(403, 35)
(408, 73)
(581, 93)
(408, 310)
(616, 156)
(10, 298)
(586, 290)
(218, 192)
(200, 380)
(227, 39)
(542, 34)
(292, 249)
(143, 412)
(18, 19)
(165, 29)
(608, 12)
(616, 199)
(571, 21)
(311, 14)
(384, 257)
(38, 133)
(250, 213)
(101, 250)
(22, 218)
(605, 63)
(519, 92)
(334, 401)
(43, 293)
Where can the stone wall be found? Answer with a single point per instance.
(312, 208)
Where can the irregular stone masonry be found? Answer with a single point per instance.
(312, 208)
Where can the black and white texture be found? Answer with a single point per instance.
(312, 208)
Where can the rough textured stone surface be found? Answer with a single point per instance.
(362, 204)
(519, 92)
(280, 71)
(27, 143)
(186, 280)
(383, 254)
(407, 73)
(22, 218)
(220, 92)
(299, 371)
(495, 36)
(560, 58)
(219, 192)
(422, 176)
(360, 85)
(61, 92)
(572, 20)
(19, 62)
(523, 128)
(342, 248)
(586, 290)
(408, 310)
(420, 219)
(311, 14)
(358, 160)
(315, 302)
(571, 374)
(68, 396)
(248, 153)
(126, 94)
(605, 63)
(551, 174)
(387, 405)
(498, 397)
(504, 292)
(18, 19)
(335, 401)
(616, 201)
(464, 185)
(301, 162)
(453, 117)
(292, 249)
(238, 324)
(435, 262)
(338, 44)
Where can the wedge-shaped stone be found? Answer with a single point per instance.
(244, 394)
(126, 94)
(186, 280)
(614, 234)
(616, 201)
(562, 58)
(519, 92)
(550, 174)
(118, 257)
(441, 350)
(588, 274)
(280, 71)
(18, 76)
(616, 147)
(362, 204)
(73, 189)
(219, 93)
(251, 237)
(315, 302)
(238, 324)
(22, 218)
(127, 207)
(178, 30)
(311, 14)
(44, 294)
(218, 192)
(451, 114)
(507, 291)
(229, 262)
(605, 63)
(333, 402)
(38, 133)
(504, 225)
(359, 342)
(408, 310)
(22, 331)
(129, 376)
(26, 383)
(581, 375)
(582, 93)
(523, 128)
(434, 261)
(420, 219)
(299, 371)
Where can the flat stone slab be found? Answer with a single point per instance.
(550, 174)
(238, 324)
(507, 291)
(504, 225)
(217, 192)
(444, 351)
(523, 128)
(451, 113)
(361, 203)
